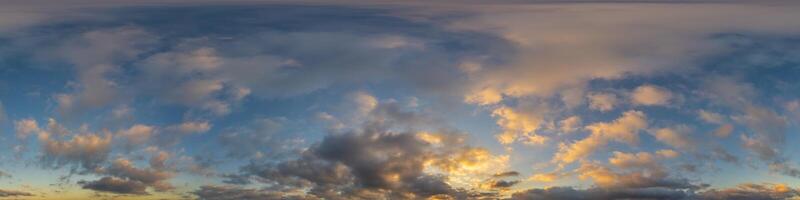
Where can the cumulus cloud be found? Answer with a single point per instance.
(386, 164)
(154, 176)
(570, 124)
(121, 176)
(638, 160)
(172, 135)
(547, 177)
(26, 127)
(137, 134)
(678, 137)
(519, 125)
(623, 129)
(637, 176)
(115, 185)
(85, 151)
(651, 95)
(602, 101)
(375, 161)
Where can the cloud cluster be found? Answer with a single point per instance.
(624, 129)
(84, 152)
(374, 161)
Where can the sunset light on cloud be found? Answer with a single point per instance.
(520, 100)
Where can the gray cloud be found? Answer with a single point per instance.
(506, 174)
(12, 193)
(741, 192)
(124, 178)
(501, 184)
(150, 176)
(558, 193)
(373, 161)
(115, 185)
(751, 191)
(233, 193)
(84, 152)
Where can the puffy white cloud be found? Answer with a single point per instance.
(678, 137)
(26, 127)
(137, 134)
(364, 102)
(651, 95)
(602, 101)
(83, 151)
(570, 124)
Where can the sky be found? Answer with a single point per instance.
(519, 100)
